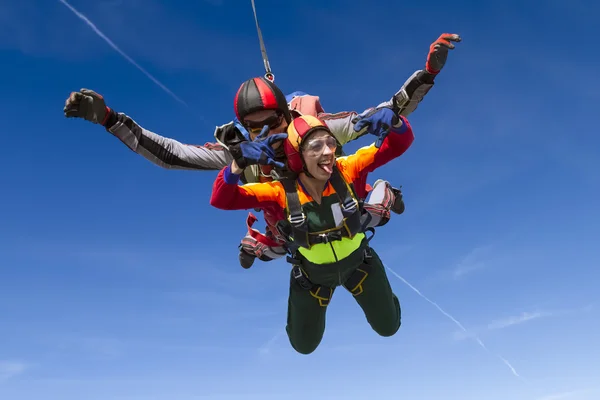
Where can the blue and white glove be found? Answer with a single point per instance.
(259, 151)
(379, 122)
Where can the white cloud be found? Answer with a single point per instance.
(525, 316)
(503, 323)
(473, 261)
(266, 347)
(515, 320)
(563, 395)
(10, 369)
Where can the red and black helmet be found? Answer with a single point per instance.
(258, 94)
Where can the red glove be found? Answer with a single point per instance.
(438, 52)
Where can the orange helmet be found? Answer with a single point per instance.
(297, 131)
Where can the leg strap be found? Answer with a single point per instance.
(321, 293)
(354, 284)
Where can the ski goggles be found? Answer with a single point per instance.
(274, 121)
(316, 147)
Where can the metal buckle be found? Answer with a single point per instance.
(297, 273)
(297, 220)
(401, 99)
(350, 206)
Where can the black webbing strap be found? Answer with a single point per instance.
(296, 218)
(350, 207)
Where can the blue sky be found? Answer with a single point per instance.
(119, 281)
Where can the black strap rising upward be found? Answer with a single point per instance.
(268, 75)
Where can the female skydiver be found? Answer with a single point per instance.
(319, 212)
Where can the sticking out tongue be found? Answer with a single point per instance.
(327, 167)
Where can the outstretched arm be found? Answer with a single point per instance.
(166, 152)
(162, 151)
(407, 99)
(404, 101)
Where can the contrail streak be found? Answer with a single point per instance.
(451, 318)
(121, 52)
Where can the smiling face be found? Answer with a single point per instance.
(318, 152)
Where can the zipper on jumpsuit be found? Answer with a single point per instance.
(336, 260)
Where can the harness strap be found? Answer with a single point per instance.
(321, 293)
(354, 219)
(296, 218)
(354, 284)
(350, 206)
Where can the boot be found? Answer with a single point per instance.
(398, 206)
(246, 260)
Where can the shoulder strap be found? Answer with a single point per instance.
(296, 217)
(348, 201)
(351, 208)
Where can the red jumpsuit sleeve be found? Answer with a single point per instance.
(369, 158)
(228, 195)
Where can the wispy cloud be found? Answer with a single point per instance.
(95, 347)
(456, 322)
(503, 323)
(266, 347)
(121, 52)
(564, 395)
(519, 319)
(473, 261)
(10, 369)
(523, 317)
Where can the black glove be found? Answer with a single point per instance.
(230, 134)
(88, 105)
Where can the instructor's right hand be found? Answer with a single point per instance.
(88, 105)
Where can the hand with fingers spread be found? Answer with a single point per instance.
(88, 105)
(438, 52)
(259, 151)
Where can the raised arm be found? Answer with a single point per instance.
(404, 101)
(407, 99)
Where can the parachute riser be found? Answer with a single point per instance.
(268, 75)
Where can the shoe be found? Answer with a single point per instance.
(246, 260)
(398, 206)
